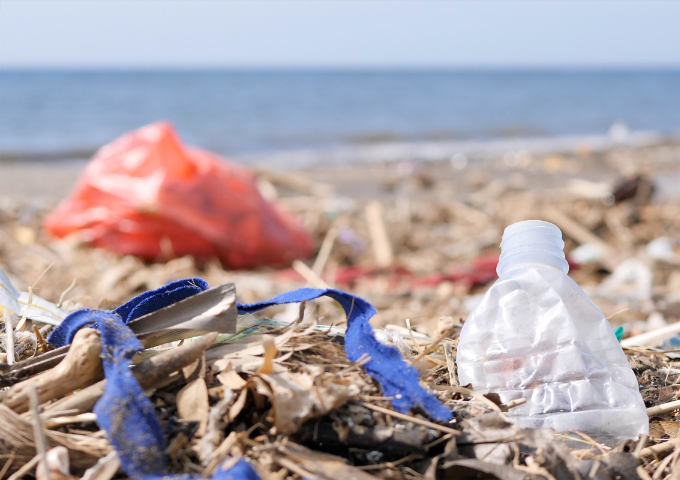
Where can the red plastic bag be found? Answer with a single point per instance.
(145, 194)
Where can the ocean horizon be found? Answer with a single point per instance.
(253, 114)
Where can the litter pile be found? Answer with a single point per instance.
(286, 396)
(310, 390)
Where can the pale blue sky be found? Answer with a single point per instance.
(348, 33)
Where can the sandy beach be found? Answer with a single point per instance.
(419, 240)
(438, 214)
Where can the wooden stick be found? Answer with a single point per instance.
(325, 250)
(653, 337)
(38, 336)
(80, 367)
(663, 408)
(640, 445)
(29, 304)
(309, 275)
(656, 449)
(617, 313)
(148, 373)
(8, 463)
(513, 403)
(294, 468)
(379, 237)
(408, 418)
(38, 434)
(642, 473)
(471, 214)
(296, 181)
(23, 471)
(70, 287)
(9, 338)
(410, 332)
(572, 228)
(476, 396)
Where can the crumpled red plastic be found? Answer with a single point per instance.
(146, 194)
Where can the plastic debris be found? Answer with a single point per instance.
(588, 253)
(661, 248)
(632, 280)
(618, 331)
(18, 303)
(535, 335)
(145, 194)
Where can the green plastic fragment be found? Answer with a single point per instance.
(618, 331)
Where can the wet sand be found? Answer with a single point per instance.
(45, 182)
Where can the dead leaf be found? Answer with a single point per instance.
(247, 363)
(195, 370)
(192, 404)
(670, 428)
(656, 431)
(232, 380)
(666, 394)
(296, 398)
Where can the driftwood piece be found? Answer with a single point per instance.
(148, 373)
(32, 366)
(81, 367)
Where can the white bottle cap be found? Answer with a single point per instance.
(529, 243)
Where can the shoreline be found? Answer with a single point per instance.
(375, 171)
(397, 148)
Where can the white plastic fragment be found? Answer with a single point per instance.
(57, 465)
(393, 338)
(40, 310)
(588, 253)
(661, 249)
(632, 280)
(9, 296)
(536, 335)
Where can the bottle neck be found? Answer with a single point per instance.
(529, 244)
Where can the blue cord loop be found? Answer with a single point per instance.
(397, 378)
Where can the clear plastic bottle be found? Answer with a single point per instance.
(536, 335)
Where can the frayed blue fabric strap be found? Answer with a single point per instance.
(396, 377)
(162, 297)
(63, 334)
(124, 410)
